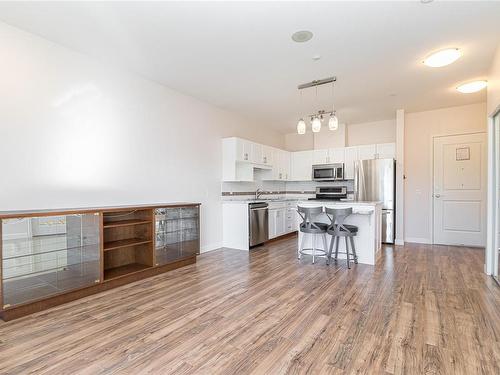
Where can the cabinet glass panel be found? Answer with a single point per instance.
(177, 233)
(43, 256)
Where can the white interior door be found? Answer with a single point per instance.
(459, 197)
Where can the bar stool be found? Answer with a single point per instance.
(338, 229)
(309, 226)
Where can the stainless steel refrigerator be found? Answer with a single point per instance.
(374, 180)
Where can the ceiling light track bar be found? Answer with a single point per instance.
(317, 82)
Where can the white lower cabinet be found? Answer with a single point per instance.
(282, 218)
(277, 222)
(272, 223)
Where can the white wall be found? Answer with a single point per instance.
(348, 135)
(299, 142)
(75, 133)
(368, 133)
(316, 141)
(420, 127)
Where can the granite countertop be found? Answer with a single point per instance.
(341, 203)
(305, 201)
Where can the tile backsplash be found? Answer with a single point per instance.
(238, 190)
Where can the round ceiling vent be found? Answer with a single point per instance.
(302, 36)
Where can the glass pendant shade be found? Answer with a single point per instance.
(316, 124)
(333, 122)
(301, 127)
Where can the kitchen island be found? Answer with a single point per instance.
(367, 216)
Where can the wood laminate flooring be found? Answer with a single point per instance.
(421, 310)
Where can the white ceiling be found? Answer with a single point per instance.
(239, 56)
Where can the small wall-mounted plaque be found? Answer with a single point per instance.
(463, 153)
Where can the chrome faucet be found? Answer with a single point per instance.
(258, 193)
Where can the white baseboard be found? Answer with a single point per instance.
(419, 240)
(399, 242)
(210, 247)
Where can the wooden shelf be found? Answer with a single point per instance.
(125, 223)
(113, 273)
(111, 245)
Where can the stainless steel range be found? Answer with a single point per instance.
(330, 192)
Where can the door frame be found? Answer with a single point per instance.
(433, 137)
(493, 214)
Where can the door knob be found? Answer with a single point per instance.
(437, 195)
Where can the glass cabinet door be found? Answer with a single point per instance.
(47, 255)
(176, 234)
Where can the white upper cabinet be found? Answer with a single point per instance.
(280, 166)
(379, 151)
(351, 155)
(328, 156)
(336, 155)
(301, 165)
(256, 154)
(320, 156)
(367, 152)
(241, 157)
(236, 155)
(242, 146)
(386, 151)
(285, 165)
(268, 155)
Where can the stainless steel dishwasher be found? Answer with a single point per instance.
(258, 223)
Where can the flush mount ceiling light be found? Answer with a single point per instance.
(318, 117)
(302, 36)
(470, 87)
(443, 57)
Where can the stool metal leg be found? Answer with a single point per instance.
(337, 248)
(325, 247)
(329, 258)
(354, 250)
(347, 251)
(301, 245)
(314, 246)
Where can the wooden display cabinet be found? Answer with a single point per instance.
(51, 257)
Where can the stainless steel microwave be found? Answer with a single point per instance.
(328, 172)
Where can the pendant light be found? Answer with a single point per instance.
(316, 121)
(301, 127)
(319, 115)
(333, 122)
(316, 124)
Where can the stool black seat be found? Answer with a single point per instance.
(350, 228)
(317, 228)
